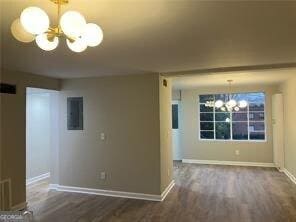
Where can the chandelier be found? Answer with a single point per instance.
(230, 104)
(34, 24)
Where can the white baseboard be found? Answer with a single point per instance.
(111, 193)
(53, 186)
(280, 169)
(290, 175)
(37, 179)
(167, 190)
(230, 163)
(20, 206)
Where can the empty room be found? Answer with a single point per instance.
(147, 111)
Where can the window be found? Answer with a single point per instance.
(175, 122)
(245, 124)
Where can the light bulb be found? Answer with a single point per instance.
(45, 44)
(243, 104)
(20, 33)
(34, 20)
(231, 103)
(236, 109)
(92, 35)
(219, 103)
(77, 46)
(73, 24)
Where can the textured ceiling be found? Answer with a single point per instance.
(144, 36)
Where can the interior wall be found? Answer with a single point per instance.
(289, 91)
(13, 128)
(126, 110)
(0, 126)
(165, 109)
(176, 95)
(193, 148)
(54, 137)
(38, 136)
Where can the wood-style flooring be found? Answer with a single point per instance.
(203, 193)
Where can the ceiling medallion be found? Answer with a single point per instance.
(34, 24)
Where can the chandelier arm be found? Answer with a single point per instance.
(51, 34)
(69, 38)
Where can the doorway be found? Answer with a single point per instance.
(175, 130)
(41, 134)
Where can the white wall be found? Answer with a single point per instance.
(13, 125)
(193, 148)
(289, 91)
(42, 133)
(55, 137)
(38, 136)
(165, 118)
(127, 110)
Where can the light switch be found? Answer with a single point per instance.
(102, 136)
(103, 176)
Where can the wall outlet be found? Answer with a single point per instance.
(103, 176)
(237, 152)
(102, 136)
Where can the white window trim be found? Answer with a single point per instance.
(231, 139)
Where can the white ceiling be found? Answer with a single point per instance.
(145, 36)
(31, 91)
(264, 77)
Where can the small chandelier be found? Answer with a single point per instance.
(34, 24)
(229, 105)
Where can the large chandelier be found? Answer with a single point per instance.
(34, 24)
(230, 104)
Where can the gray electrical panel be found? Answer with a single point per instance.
(75, 113)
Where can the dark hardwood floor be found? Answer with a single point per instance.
(203, 193)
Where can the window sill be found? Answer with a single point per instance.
(233, 141)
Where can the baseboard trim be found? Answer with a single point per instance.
(230, 163)
(37, 179)
(167, 190)
(18, 207)
(53, 186)
(290, 175)
(111, 193)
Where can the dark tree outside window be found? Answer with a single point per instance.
(246, 124)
